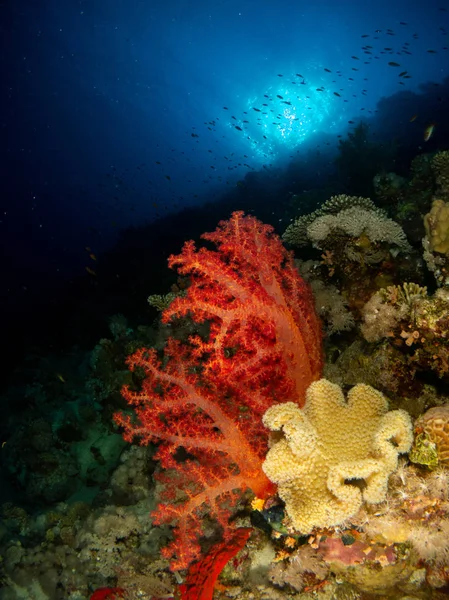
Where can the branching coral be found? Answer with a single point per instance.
(328, 443)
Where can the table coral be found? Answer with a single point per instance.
(329, 442)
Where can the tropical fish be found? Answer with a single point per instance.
(428, 132)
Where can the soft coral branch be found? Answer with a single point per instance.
(254, 298)
(226, 450)
(208, 396)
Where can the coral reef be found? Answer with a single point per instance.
(360, 247)
(329, 442)
(388, 187)
(436, 223)
(436, 241)
(354, 222)
(238, 337)
(434, 423)
(414, 322)
(440, 170)
(208, 396)
(296, 232)
(330, 304)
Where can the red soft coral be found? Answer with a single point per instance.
(208, 397)
(264, 330)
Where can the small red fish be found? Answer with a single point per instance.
(108, 593)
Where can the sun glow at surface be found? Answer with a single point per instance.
(284, 117)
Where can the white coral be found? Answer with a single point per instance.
(356, 220)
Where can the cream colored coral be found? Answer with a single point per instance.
(436, 223)
(296, 232)
(329, 442)
(357, 220)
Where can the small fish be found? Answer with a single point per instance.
(428, 132)
(355, 57)
(238, 128)
(432, 51)
(280, 75)
(337, 94)
(394, 64)
(279, 96)
(403, 73)
(91, 271)
(413, 118)
(328, 70)
(60, 377)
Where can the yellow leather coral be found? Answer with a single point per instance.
(436, 223)
(329, 448)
